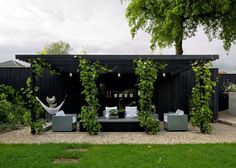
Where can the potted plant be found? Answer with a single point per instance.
(115, 94)
(121, 113)
(113, 114)
(126, 92)
(231, 89)
(131, 92)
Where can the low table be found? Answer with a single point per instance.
(118, 125)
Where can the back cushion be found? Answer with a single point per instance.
(179, 112)
(131, 111)
(107, 109)
(60, 113)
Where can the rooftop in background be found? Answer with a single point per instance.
(121, 63)
(222, 72)
(11, 63)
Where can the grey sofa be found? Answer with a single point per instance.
(64, 123)
(175, 122)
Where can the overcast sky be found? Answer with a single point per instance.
(97, 26)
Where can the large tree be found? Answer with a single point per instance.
(56, 48)
(169, 22)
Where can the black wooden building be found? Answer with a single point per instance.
(173, 87)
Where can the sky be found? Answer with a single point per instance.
(96, 26)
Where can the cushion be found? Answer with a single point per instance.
(131, 112)
(179, 112)
(73, 119)
(165, 118)
(107, 109)
(60, 113)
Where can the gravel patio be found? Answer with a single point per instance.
(222, 133)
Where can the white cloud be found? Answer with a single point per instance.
(97, 26)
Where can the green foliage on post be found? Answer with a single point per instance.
(33, 105)
(170, 22)
(201, 113)
(147, 72)
(38, 65)
(89, 73)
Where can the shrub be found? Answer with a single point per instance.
(230, 87)
(12, 108)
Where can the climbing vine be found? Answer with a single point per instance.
(201, 113)
(38, 66)
(147, 72)
(89, 73)
(32, 89)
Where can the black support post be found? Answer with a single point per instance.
(33, 114)
(215, 96)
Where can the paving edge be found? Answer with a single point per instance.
(47, 128)
(226, 122)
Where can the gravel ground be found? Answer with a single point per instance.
(221, 134)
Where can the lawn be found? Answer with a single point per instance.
(118, 156)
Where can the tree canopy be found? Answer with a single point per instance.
(169, 22)
(59, 47)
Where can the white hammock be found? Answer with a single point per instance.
(51, 110)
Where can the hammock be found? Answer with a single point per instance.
(51, 110)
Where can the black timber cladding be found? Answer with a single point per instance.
(15, 76)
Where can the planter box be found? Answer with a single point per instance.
(232, 103)
(114, 116)
(121, 114)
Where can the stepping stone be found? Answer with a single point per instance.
(65, 160)
(77, 150)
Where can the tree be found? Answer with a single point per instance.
(169, 22)
(59, 47)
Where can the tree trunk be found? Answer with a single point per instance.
(179, 39)
(178, 47)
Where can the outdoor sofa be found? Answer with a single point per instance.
(64, 122)
(175, 122)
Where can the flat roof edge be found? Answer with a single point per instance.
(26, 57)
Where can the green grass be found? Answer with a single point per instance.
(120, 156)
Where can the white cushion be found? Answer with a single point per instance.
(60, 113)
(73, 119)
(107, 109)
(131, 112)
(179, 112)
(165, 118)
